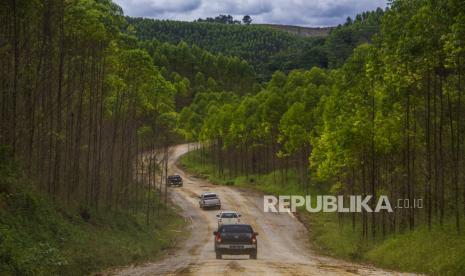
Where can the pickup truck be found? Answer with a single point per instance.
(235, 239)
(209, 200)
(174, 180)
(228, 217)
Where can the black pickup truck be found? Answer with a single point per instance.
(235, 239)
(174, 180)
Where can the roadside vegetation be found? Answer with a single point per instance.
(389, 121)
(82, 109)
(434, 251)
(91, 101)
(42, 237)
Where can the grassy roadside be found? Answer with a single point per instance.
(437, 252)
(39, 237)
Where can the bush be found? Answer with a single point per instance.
(41, 237)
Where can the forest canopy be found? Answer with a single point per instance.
(265, 49)
(389, 120)
(91, 101)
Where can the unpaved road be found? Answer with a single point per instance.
(283, 247)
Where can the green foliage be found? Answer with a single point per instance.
(387, 118)
(436, 252)
(221, 19)
(270, 183)
(265, 49)
(193, 70)
(39, 237)
(412, 251)
(387, 121)
(81, 104)
(97, 88)
(343, 39)
(255, 116)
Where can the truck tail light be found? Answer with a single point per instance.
(254, 239)
(218, 239)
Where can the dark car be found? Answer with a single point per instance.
(174, 180)
(235, 239)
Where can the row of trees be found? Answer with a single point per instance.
(259, 46)
(266, 49)
(260, 133)
(226, 19)
(343, 39)
(80, 100)
(390, 121)
(90, 111)
(193, 70)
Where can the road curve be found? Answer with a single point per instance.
(283, 247)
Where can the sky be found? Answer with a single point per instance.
(312, 13)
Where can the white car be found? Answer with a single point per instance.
(228, 217)
(209, 200)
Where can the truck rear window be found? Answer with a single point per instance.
(209, 196)
(236, 229)
(228, 215)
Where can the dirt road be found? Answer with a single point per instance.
(283, 247)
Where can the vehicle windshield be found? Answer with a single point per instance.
(228, 215)
(209, 196)
(236, 229)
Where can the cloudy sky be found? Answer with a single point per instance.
(292, 12)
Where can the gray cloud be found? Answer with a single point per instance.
(293, 12)
(247, 7)
(155, 8)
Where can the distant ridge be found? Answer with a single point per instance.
(300, 31)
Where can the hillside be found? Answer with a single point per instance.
(300, 31)
(267, 47)
(192, 69)
(98, 108)
(264, 48)
(388, 122)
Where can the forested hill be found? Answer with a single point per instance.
(192, 70)
(88, 95)
(260, 46)
(264, 48)
(389, 121)
(343, 39)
